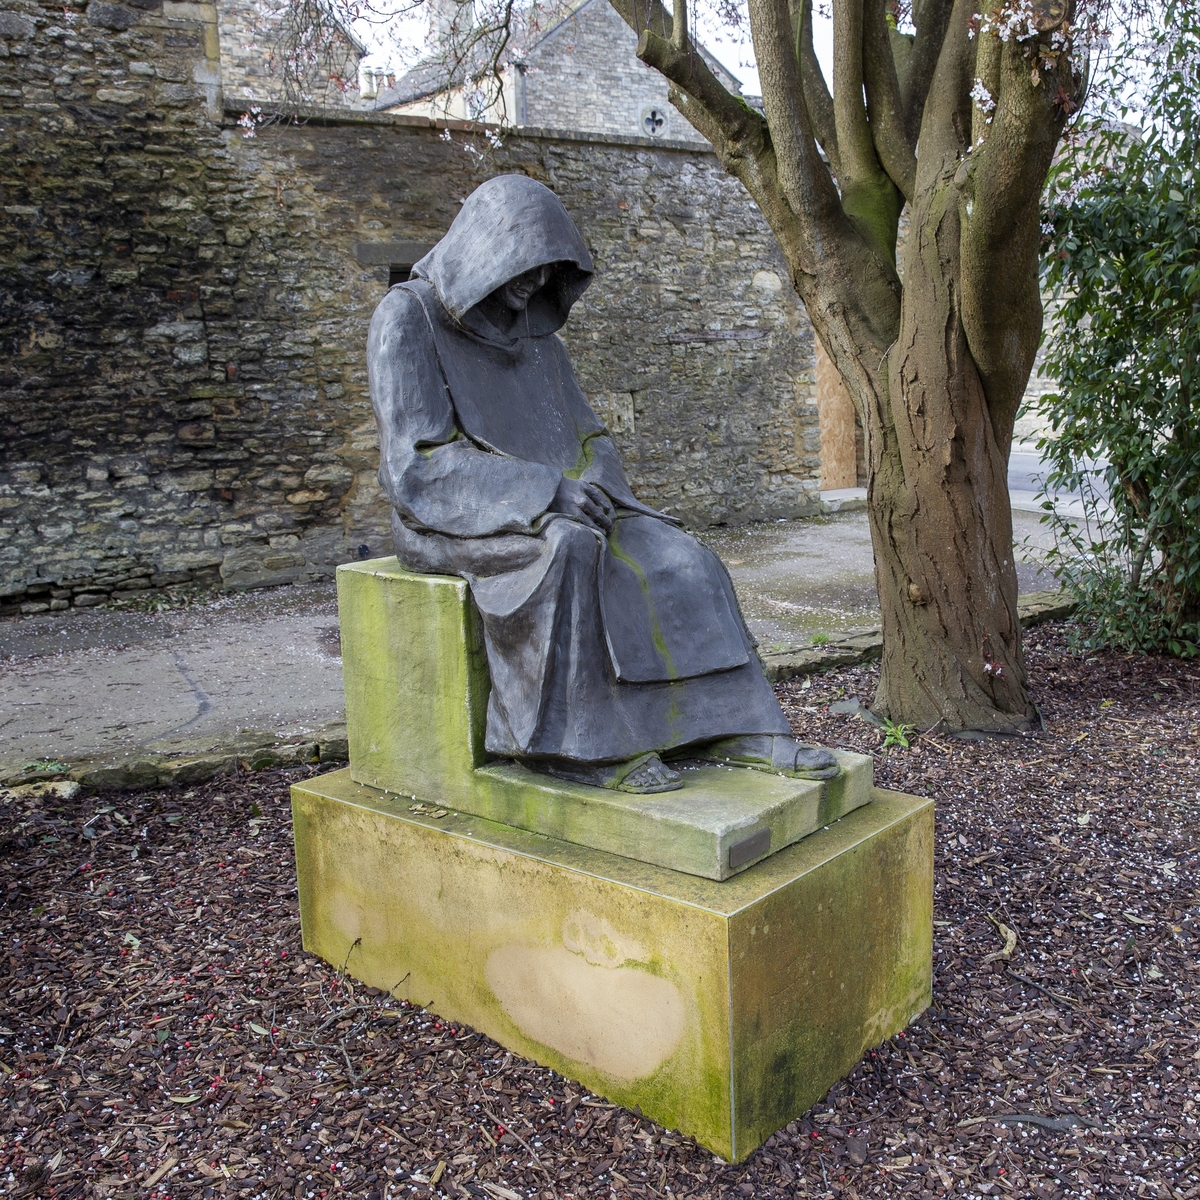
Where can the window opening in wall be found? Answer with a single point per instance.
(654, 122)
(399, 273)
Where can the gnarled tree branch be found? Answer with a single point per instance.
(885, 109)
(728, 119)
(931, 17)
(817, 99)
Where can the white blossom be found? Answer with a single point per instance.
(250, 120)
(983, 98)
(1015, 22)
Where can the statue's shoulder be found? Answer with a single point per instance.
(409, 299)
(407, 313)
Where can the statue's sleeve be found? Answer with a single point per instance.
(433, 475)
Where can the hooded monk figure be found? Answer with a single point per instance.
(613, 637)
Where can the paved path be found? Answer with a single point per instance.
(797, 578)
(96, 682)
(101, 684)
(1027, 473)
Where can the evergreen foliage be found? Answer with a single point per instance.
(1123, 267)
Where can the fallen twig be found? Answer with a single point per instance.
(167, 1166)
(1037, 987)
(537, 1162)
(1010, 940)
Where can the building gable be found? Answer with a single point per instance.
(582, 75)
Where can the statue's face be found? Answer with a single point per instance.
(516, 292)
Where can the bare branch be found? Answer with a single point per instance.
(850, 115)
(945, 125)
(869, 196)
(679, 26)
(845, 277)
(931, 17)
(805, 177)
(1000, 190)
(817, 99)
(645, 15)
(312, 58)
(885, 110)
(731, 119)
(468, 55)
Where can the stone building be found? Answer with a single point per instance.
(582, 73)
(183, 311)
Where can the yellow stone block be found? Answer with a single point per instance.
(416, 679)
(722, 1009)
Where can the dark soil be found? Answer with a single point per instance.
(161, 1032)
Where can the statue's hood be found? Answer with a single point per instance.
(507, 226)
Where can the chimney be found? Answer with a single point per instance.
(450, 20)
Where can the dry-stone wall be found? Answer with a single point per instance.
(183, 314)
(252, 43)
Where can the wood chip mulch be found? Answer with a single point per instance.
(162, 1034)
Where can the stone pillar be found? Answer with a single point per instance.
(206, 67)
(835, 412)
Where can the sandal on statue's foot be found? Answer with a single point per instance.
(643, 775)
(775, 753)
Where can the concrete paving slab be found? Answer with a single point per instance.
(91, 683)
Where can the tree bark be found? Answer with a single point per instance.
(941, 523)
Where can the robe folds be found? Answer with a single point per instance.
(599, 647)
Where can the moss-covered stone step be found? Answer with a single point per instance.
(720, 1009)
(416, 681)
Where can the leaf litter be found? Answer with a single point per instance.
(163, 1034)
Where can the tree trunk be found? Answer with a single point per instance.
(941, 524)
(936, 355)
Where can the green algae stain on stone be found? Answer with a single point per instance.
(831, 964)
(416, 679)
(415, 672)
(720, 1009)
(582, 973)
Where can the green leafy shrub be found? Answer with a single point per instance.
(1123, 233)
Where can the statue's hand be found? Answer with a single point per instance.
(584, 502)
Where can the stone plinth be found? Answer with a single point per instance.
(416, 699)
(720, 1009)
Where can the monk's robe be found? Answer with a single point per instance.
(600, 647)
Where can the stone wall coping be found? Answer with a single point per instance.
(235, 108)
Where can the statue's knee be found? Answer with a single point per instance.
(574, 540)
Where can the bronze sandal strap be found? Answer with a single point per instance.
(613, 776)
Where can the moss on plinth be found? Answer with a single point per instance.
(416, 681)
(722, 1009)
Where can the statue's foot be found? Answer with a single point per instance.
(775, 753)
(643, 775)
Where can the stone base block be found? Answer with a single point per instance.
(723, 1010)
(416, 703)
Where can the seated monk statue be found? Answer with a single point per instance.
(614, 639)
